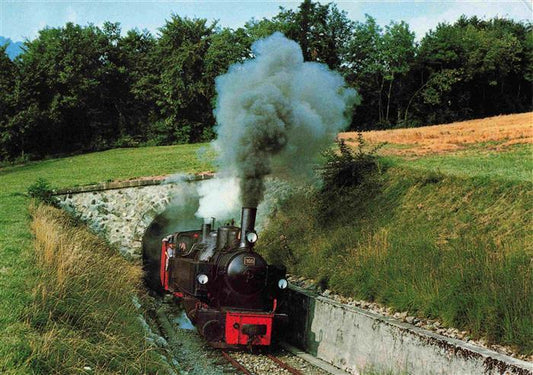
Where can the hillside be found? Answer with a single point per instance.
(441, 229)
(492, 133)
(13, 48)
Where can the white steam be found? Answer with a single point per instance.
(275, 113)
(219, 198)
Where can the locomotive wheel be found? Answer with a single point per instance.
(212, 330)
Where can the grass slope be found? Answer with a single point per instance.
(444, 236)
(82, 315)
(17, 262)
(513, 164)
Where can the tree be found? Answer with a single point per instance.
(7, 81)
(227, 47)
(185, 93)
(473, 68)
(138, 103)
(378, 64)
(321, 30)
(7, 84)
(263, 28)
(398, 58)
(364, 71)
(67, 74)
(8, 133)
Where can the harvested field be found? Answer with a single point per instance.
(498, 132)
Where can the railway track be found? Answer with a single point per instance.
(261, 364)
(194, 356)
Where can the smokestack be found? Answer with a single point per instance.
(247, 225)
(206, 229)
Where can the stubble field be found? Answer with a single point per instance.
(496, 133)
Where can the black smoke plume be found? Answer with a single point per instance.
(276, 112)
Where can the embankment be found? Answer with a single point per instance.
(83, 316)
(451, 248)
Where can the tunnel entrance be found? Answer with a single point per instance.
(178, 216)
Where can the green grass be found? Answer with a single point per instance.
(454, 246)
(108, 165)
(513, 164)
(17, 277)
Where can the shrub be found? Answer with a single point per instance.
(42, 191)
(347, 168)
(348, 176)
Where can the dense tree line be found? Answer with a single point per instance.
(80, 88)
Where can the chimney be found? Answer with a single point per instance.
(247, 225)
(206, 229)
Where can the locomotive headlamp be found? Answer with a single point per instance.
(251, 237)
(282, 283)
(202, 279)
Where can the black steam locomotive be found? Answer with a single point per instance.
(229, 291)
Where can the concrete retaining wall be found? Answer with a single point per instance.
(355, 340)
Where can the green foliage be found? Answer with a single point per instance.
(321, 30)
(42, 191)
(185, 99)
(69, 84)
(7, 86)
(226, 48)
(191, 54)
(85, 88)
(379, 63)
(473, 68)
(261, 29)
(7, 81)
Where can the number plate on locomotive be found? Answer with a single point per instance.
(249, 261)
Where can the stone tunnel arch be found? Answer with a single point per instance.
(122, 212)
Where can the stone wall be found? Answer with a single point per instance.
(121, 211)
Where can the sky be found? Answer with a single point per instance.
(22, 19)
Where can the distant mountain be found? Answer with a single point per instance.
(13, 49)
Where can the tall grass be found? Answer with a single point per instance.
(18, 271)
(457, 249)
(82, 313)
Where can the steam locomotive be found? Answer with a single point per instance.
(229, 291)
